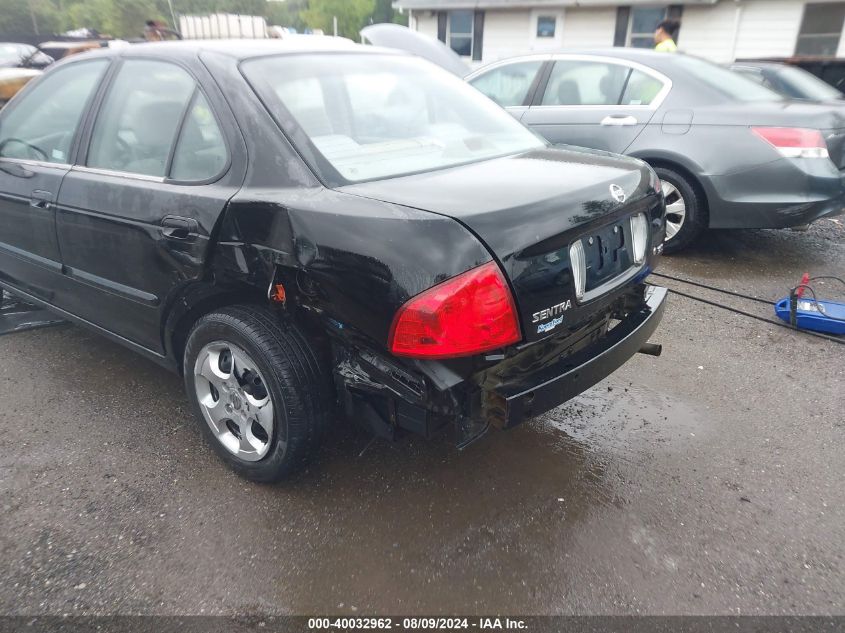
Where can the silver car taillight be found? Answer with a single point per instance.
(639, 236)
(578, 262)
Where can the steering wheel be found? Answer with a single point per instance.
(34, 149)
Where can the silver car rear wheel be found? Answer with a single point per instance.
(676, 209)
(234, 400)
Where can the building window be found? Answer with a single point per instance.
(644, 21)
(820, 29)
(459, 35)
(546, 26)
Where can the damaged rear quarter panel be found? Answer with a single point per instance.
(352, 259)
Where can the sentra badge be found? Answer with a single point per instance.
(549, 313)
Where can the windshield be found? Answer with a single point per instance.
(727, 82)
(803, 85)
(364, 116)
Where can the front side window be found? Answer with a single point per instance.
(644, 21)
(460, 32)
(577, 83)
(546, 26)
(137, 123)
(821, 29)
(364, 116)
(42, 123)
(508, 85)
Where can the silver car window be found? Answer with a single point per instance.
(576, 83)
(641, 89)
(508, 85)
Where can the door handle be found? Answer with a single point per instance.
(41, 199)
(619, 120)
(182, 229)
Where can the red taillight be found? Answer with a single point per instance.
(468, 314)
(794, 142)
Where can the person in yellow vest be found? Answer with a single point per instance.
(664, 36)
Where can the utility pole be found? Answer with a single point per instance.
(334, 22)
(32, 15)
(175, 24)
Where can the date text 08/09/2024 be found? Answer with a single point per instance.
(417, 623)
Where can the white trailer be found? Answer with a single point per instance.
(222, 26)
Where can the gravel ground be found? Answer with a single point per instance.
(707, 481)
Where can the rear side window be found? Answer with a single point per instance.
(138, 122)
(508, 85)
(200, 151)
(41, 124)
(577, 83)
(641, 89)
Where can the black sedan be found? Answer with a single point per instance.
(306, 227)
(730, 152)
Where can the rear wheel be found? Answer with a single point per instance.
(259, 389)
(686, 214)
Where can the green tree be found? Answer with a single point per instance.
(352, 16)
(287, 13)
(384, 12)
(120, 18)
(16, 18)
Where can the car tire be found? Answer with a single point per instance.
(686, 210)
(259, 390)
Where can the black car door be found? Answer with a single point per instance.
(37, 132)
(134, 218)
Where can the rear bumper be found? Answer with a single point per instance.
(537, 393)
(777, 195)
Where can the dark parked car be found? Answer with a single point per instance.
(298, 224)
(730, 152)
(790, 81)
(14, 55)
(830, 70)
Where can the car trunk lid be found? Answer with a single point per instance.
(528, 210)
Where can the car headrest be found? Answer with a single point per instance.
(568, 92)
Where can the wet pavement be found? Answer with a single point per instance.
(709, 480)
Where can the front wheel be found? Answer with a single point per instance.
(686, 214)
(259, 390)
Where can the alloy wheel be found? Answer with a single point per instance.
(676, 209)
(234, 400)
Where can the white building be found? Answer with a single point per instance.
(722, 30)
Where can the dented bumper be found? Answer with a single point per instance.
(528, 396)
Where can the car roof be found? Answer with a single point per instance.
(644, 56)
(243, 48)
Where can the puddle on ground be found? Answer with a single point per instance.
(481, 517)
(618, 415)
